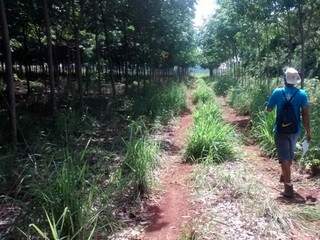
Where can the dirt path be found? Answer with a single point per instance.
(171, 211)
(267, 169)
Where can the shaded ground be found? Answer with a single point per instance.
(172, 210)
(168, 208)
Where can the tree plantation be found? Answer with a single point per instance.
(111, 129)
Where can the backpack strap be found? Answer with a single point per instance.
(292, 97)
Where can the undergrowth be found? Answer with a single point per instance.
(70, 193)
(160, 103)
(262, 130)
(222, 84)
(211, 138)
(203, 93)
(140, 160)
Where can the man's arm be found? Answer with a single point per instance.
(271, 102)
(306, 121)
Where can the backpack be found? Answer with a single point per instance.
(287, 121)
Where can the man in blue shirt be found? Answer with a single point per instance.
(286, 142)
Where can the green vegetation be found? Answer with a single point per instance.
(160, 103)
(309, 213)
(243, 41)
(57, 227)
(249, 99)
(223, 83)
(203, 93)
(140, 160)
(312, 158)
(210, 139)
(262, 130)
(64, 191)
(74, 192)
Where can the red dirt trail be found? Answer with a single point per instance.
(173, 209)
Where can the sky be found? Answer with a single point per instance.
(204, 9)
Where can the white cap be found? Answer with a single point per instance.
(292, 76)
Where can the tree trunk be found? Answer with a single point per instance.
(211, 72)
(9, 76)
(113, 87)
(78, 70)
(50, 57)
(78, 64)
(302, 39)
(98, 62)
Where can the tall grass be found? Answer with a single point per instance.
(312, 159)
(203, 93)
(56, 228)
(160, 102)
(252, 100)
(263, 131)
(211, 140)
(249, 99)
(140, 160)
(239, 99)
(223, 84)
(66, 192)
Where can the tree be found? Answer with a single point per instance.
(9, 75)
(50, 57)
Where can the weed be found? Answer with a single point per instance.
(56, 227)
(66, 187)
(309, 213)
(312, 158)
(240, 100)
(203, 93)
(160, 103)
(223, 84)
(249, 99)
(140, 159)
(210, 139)
(263, 131)
(188, 235)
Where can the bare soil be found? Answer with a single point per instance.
(171, 211)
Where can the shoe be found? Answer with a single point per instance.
(281, 179)
(288, 191)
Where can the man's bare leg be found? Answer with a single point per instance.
(286, 173)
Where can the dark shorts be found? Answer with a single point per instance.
(286, 146)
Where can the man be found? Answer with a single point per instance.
(290, 103)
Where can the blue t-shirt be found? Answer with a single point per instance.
(299, 101)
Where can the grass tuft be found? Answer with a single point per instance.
(160, 102)
(203, 93)
(67, 195)
(263, 131)
(211, 139)
(140, 160)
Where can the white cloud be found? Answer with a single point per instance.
(204, 9)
